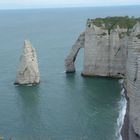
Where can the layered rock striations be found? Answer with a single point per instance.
(95, 54)
(112, 49)
(28, 72)
(104, 51)
(133, 82)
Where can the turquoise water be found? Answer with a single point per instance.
(62, 107)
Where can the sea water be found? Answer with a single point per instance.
(63, 106)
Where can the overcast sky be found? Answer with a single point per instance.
(8, 4)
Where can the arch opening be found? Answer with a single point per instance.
(71, 58)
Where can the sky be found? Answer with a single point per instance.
(18, 4)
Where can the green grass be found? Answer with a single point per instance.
(111, 22)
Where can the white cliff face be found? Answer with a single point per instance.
(133, 81)
(96, 51)
(117, 52)
(28, 72)
(104, 53)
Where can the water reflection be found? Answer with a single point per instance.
(93, 103)
(83, 107)
(78, 107)
(70, 79)
(30, 112)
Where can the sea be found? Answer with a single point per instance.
(63, 106)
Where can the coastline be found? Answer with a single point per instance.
(127, 131)
(125, 127)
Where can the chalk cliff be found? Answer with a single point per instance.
(28, 72)
(114, 51)
(104, 52)
(133, 82)
(96, 55)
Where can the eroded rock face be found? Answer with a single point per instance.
(28, 72)
(69, 61)
(133, 81)
(96, 51)
(104, 52)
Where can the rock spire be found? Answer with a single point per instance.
(28, 72)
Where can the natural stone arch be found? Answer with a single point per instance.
(70, 60)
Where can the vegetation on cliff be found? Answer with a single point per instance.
(111, 22)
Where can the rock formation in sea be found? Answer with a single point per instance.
(112, 49)
(69, 61)
(104, 52)
(28, 71)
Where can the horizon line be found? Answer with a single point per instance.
(63, 7)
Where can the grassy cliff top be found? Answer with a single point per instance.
(111, 22)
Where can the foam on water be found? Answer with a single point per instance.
(122, 112)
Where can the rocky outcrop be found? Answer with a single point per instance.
(96, 54)
(114, 53)
(104, 52)
(69, 61)
(28, 72)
